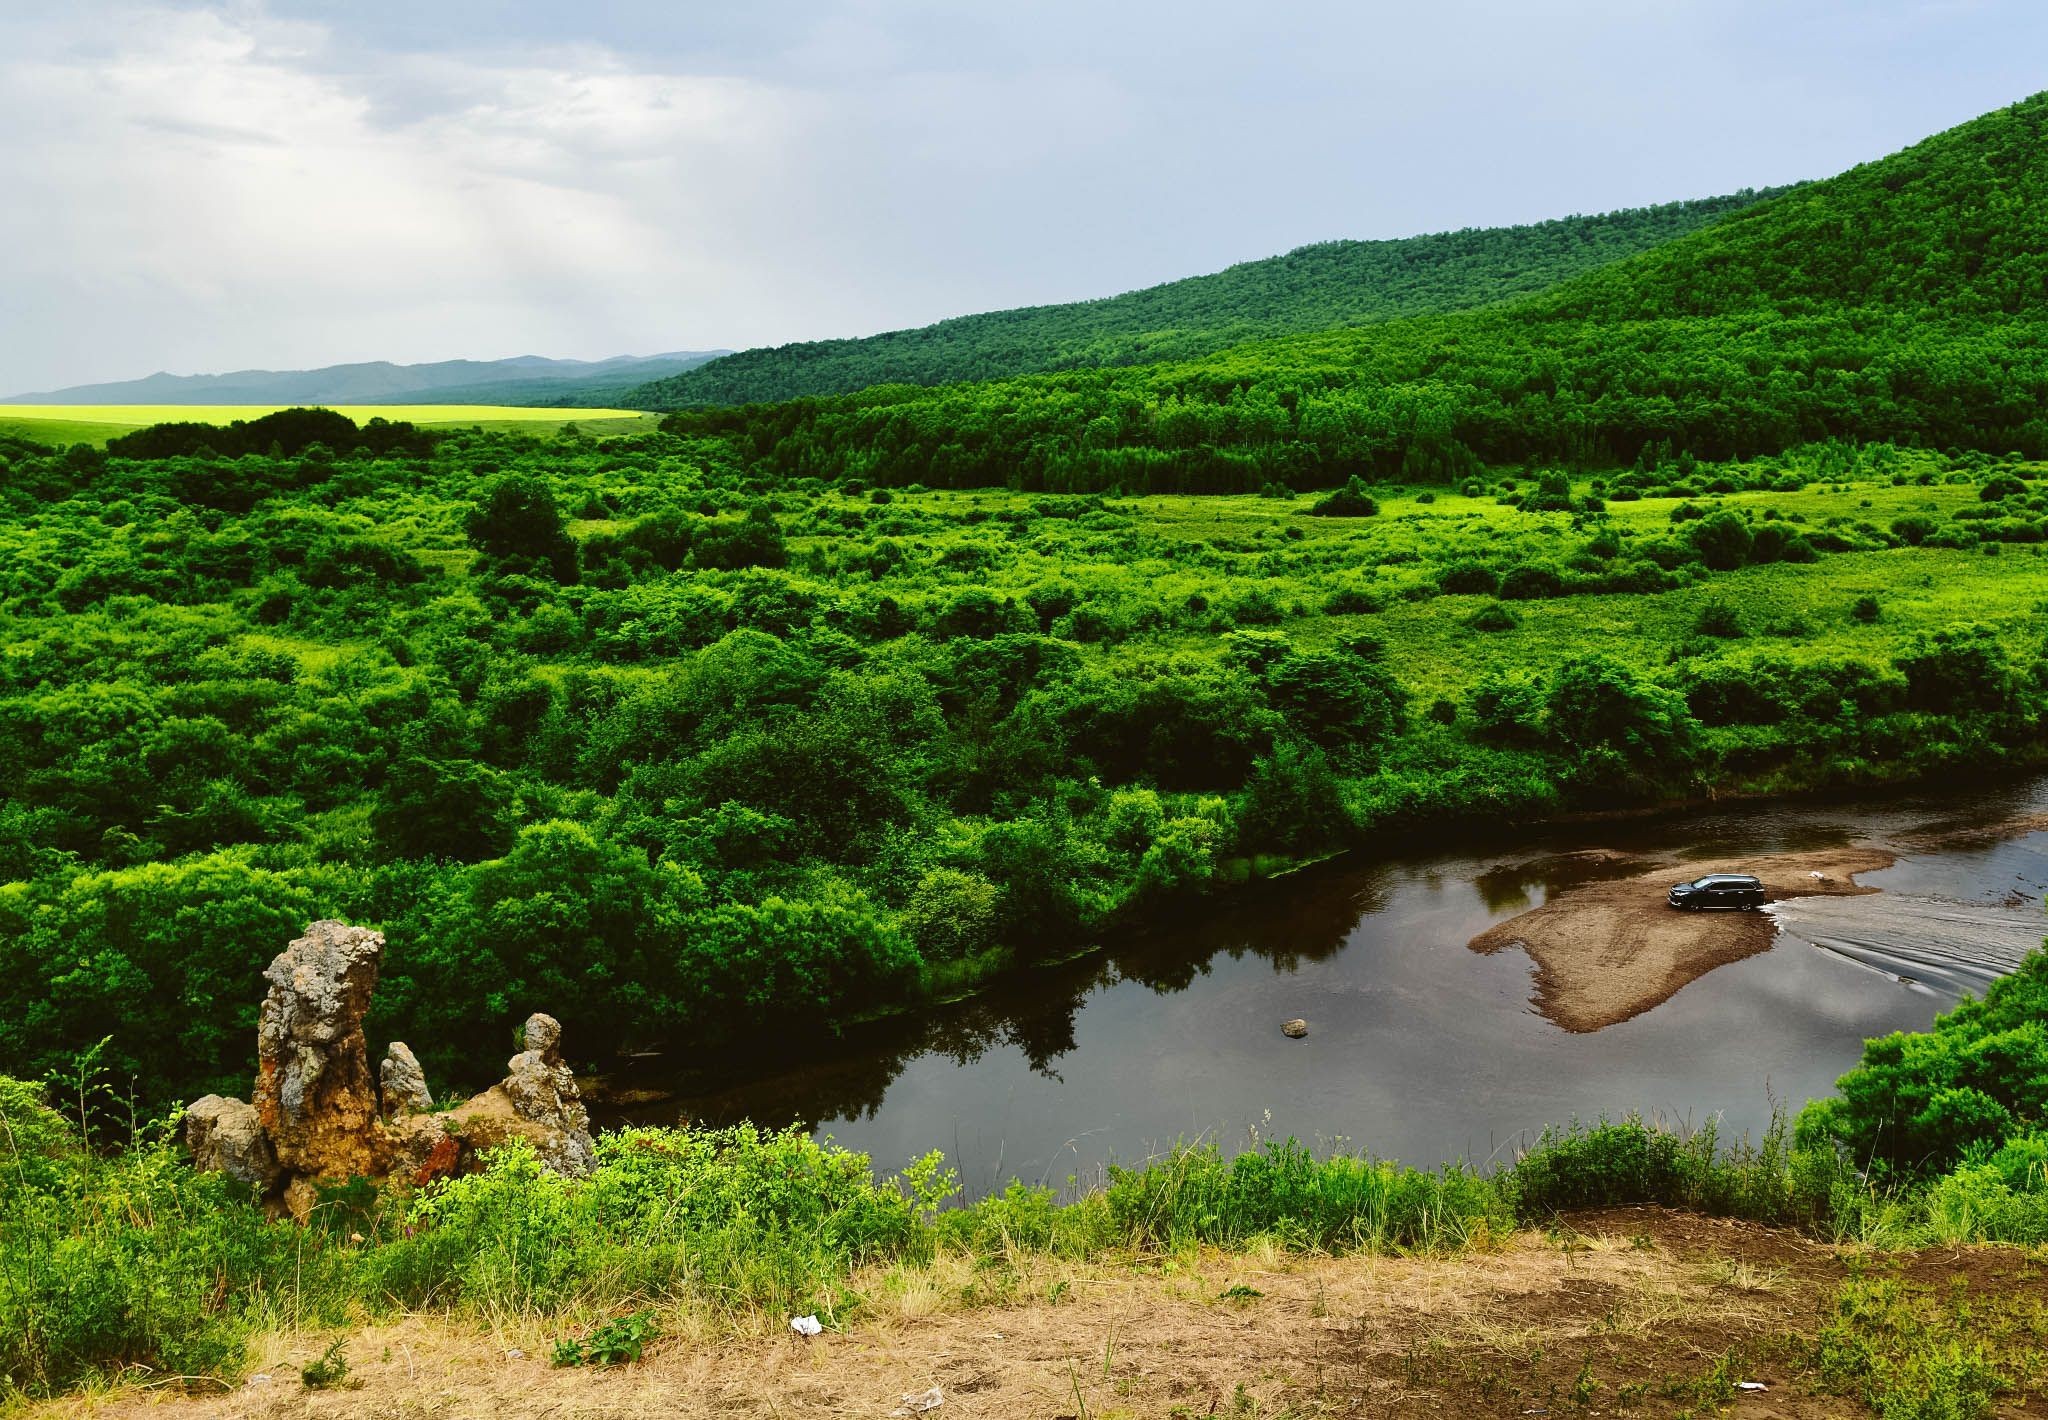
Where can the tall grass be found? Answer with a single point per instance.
(129, 1262)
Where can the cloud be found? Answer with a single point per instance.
(209, 184)
(203, 166)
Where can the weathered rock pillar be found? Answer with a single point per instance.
(314, 1094)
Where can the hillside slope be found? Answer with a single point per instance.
(1317, 287)
(1905, 300)
(523, 379)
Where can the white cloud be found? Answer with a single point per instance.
(209, 184)
(200, 164)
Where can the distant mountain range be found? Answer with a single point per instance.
(524, 379)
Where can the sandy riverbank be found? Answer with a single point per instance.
(1611, 949)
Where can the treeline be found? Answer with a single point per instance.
(1430, 402)
(1900, 302)
(1312, 288)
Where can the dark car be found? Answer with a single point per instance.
(1733, 890)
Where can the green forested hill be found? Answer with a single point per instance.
(1317, 287)
(1903, 300)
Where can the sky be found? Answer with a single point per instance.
(202, 187)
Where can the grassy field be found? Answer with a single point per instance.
(97, 423)
(1264, 565)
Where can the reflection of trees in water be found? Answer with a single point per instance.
(1307, 917)
(1504, 888)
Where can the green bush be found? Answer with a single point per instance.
(1921, 1103)
(1351, 501)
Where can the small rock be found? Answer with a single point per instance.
(226, 1136)
(915, 1404)
(403, 1082)
(1294, 1029)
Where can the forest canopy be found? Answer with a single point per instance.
(1313, 288)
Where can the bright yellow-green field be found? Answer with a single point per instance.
(97, 423)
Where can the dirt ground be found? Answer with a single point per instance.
(1620, 1312)
(1610, 949)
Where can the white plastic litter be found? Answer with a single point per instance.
(515, 1354)
(259, 1379)
(1751, 1385)
(805, 1325)
(920, 1404)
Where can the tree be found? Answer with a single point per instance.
(455, 809)
(518, 523)
(1623, 731)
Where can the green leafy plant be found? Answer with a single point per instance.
(329, 1370)
(611, 1343)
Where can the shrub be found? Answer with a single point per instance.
(1530, 581)
(1494, 616)
(1719, 619)
(1919, 1103)
(1913, 529)
(1468, 579)
(1354, 601)
(1722, 539)
(1351, 501)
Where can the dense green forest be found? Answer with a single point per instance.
(1902, 301)
(625, 729)
(1313, 288)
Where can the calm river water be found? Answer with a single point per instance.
(1419, 1048)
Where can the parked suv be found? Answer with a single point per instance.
(1736, 890)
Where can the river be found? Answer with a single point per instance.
(1419, 1048)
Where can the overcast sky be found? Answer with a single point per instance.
(200, 187)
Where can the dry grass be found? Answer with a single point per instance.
(1027, 1336)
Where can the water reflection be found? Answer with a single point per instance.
(1418, 1047)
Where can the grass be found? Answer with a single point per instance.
(1164, 549)
(1931, 1350)
(97, 423)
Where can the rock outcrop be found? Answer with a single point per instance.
(543, 1092)
(318, 1117)
(314, 1093)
